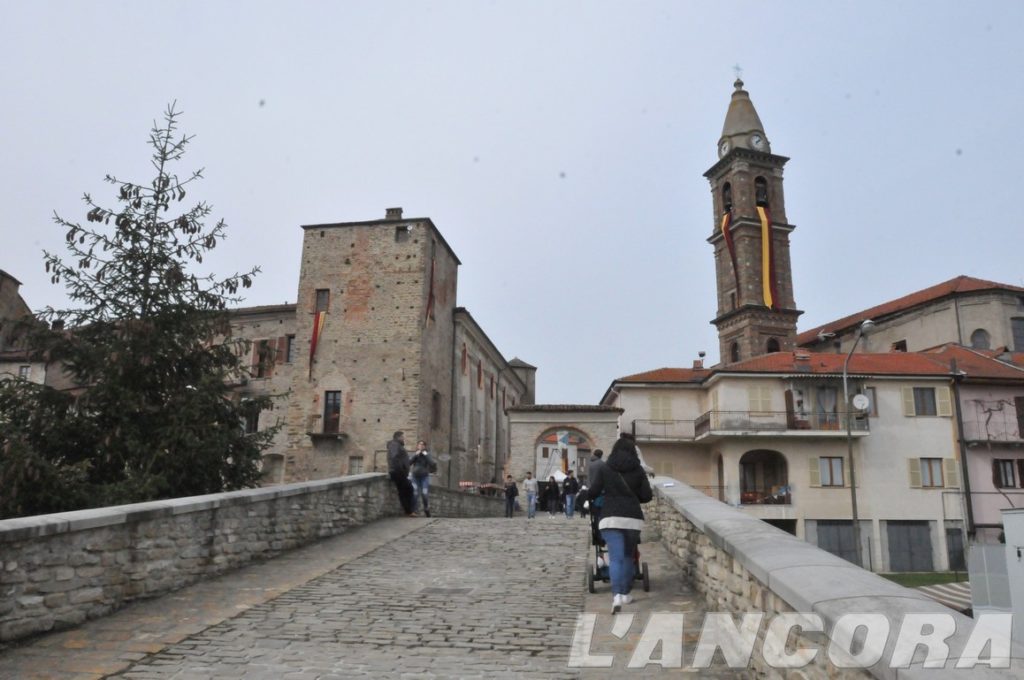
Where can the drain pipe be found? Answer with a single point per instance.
(957, 376)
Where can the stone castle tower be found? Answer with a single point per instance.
(379, 298)
(756, 310)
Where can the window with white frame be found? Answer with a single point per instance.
(1004, 473)
(931, 472)
(831, 471)
(355, 465)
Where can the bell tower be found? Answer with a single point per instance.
(756, 310)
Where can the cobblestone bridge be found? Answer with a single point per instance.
(401, 598)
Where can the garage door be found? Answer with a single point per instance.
(836, 536)
(910, 545)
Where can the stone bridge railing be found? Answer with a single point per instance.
(741, 564)
(59, 570)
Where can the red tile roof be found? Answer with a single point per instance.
(935, 362)
(960, 284)
(979, 364)
(668, 375)
(890, 363)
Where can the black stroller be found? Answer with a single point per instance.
(599, 571)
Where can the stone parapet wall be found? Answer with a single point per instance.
(59, 570)
(446, 502)
(741, 564)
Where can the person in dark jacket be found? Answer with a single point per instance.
(422, 464)
(398, 470)
(570, 487)
(511, 493)
(624, 485)
(551, 496)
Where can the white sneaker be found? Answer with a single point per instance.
(616, 603)
(625, 599)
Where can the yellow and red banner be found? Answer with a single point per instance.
(318, 326)
(727, 235)
(767, 259)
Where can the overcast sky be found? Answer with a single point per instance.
(558, 146)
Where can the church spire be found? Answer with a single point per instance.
(743, 128)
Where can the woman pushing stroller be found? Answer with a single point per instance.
(624, 485)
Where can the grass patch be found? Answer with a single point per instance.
(913, 579)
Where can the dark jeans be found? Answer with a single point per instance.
(404, 487)
(510, 506)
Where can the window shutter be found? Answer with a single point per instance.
(1020, 472)
(996, 482)
(752, 398)
(815, 471)
(943, 406)
(908, 401)
(914, 468)
(950, 473)
(282, 350)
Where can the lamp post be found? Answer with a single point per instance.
(865, 327)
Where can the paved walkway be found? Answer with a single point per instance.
(443, 598)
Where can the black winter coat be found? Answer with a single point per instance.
(623, 482)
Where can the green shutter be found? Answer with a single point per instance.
(950, 473)
(815, 471)
(914, 469)
(908, 401)
(943, 406)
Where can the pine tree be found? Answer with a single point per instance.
(148, 354)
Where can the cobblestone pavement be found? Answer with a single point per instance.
(458, 598)
(448, 598)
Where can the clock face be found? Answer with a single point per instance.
(758, 142)
(723, 148)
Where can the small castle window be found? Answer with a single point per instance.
(773, 345)
(761, 191)
(401, 233)
(734, 352)
(980, 339)
(899, 346)
(727, 197)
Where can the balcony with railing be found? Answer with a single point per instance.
(664, 430)
(318, 428)
(717, 424)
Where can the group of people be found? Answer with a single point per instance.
(411, 475)
(554, 497)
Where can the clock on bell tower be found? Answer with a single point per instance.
(756, 310)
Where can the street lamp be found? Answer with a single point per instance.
(865, 327)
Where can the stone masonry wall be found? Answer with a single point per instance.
(741, 564)
(59, 570)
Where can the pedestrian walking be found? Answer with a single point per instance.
(570, 487)
(398, 470)
(511, 492)
(422, 465)
(624, 485)
(530, 487)
(551, 494)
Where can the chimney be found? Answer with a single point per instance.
(393, 214)
(698, 364)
